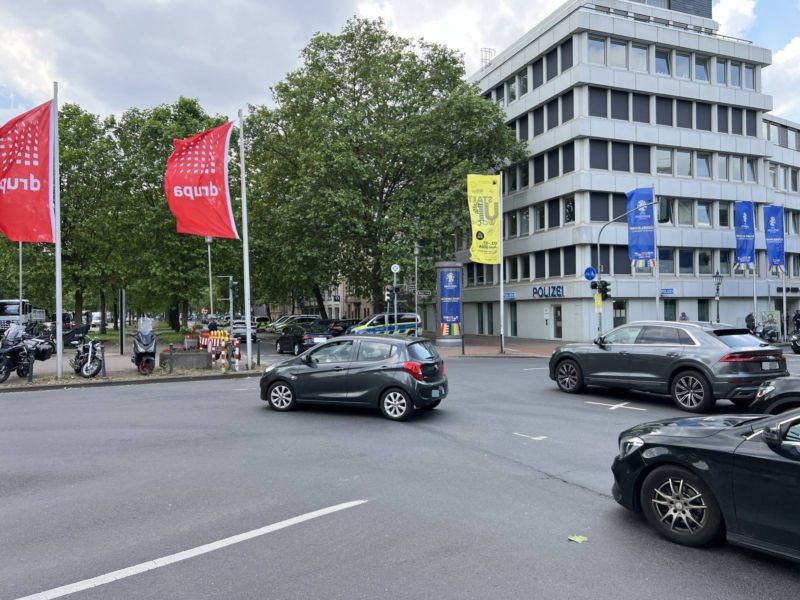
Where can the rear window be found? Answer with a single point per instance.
(422, 351)
(739, 338)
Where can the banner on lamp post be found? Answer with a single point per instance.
(196, 184)
(641, 228)
(483, 196)
(745, 234)
(774, 235)
(26, 193)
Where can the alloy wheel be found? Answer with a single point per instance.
(567, 375)
(395, 405)
(280, 396)
(689, 391)
(679, 506)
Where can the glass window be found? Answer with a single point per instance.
(793, 179)
(659, 336)
(664, 161)
(524, 221)
(538, 216)
(791, 139)
(619, 105)
(569, 260)
(553, 212)
(683, 112)
(752, 170)
(539, 264)
(702, 116)
(701, 68)
(725, 262)
(538, 121)
(524, 174)
(538, 73)
(736, 121)
(569, 210)
(598, 206)
(683, 163)
(620, 156)
(538, 168)
(619, 205)
(686, 262)
(623, 335)
(750, 77)
(551, 62)
(568, 157)
(598, 102)
(662, 61)
(736, 168)
(554, 262)
(724, 214)
(617, 52)
(750, 123)
(722, 119)
(685, 212)
(639, 58)
(511, 84)
(703, 213)
(663, 111)
(722, 72)
(782, 178)
(722, 167)
(682, 63)
(567, 106)
(369, 350)
(597, 51)
(703, 165)
(641, 108)
(511, 230)
(553, 168)
(598, 154)
(552, 114)
(526, 266)
(702, 306)
(523, 82)
(566, 55)
(773, 133)
(736, 74)
(666, 260)
(335, 352)
(773, 175)
(641, 158)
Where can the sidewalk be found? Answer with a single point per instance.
(488, 346)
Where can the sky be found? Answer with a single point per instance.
(110, 55)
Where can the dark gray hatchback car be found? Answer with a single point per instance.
(395, 374)
(695, 363)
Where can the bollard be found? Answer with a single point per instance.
(171, 357)
(102, 361)
(31, 360)
(258, 352)
(462, 344)
(229, 356)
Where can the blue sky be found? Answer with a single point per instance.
(777, 22)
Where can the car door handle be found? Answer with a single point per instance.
(673, 354)
(624, 353)
(338, 368)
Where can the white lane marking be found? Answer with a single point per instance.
(536, 369)
(186, 554)
(537, 438)
(243, 389)
(615, 406)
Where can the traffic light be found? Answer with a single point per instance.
(387, 293)
(604, 289)
(234, 288)
(593, 285)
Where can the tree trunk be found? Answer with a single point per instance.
(78, 307)
(102, 311)
(320, 302)
(185, 314)
(116, 316)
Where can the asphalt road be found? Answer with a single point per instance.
(473, 500)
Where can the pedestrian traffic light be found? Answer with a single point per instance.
(387, 293)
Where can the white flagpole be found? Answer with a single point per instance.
(502, 271)
(783, 277)
(246, 244)
(20, 283)
(56, 183)
(657, 266)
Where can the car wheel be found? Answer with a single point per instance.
(278, 347)
(692, 392)
(396, 405)
(280, 396)
(569, 377)
(681, 507)
(296, 349)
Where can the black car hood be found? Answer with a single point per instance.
(692, 427)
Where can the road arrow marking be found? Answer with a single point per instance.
(615, 406)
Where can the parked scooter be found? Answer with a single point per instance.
(794, 340)
(88, 360)
(768, 332)
(19, 349)
(144, 347)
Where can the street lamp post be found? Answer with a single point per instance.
(717, 282)
(209, 239)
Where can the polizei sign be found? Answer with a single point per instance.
(548, 291)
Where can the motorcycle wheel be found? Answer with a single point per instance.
(22, 371)
(91, 369)
(146, 366)
(5, 369)
(795, 349)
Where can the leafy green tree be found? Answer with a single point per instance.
(366, 150)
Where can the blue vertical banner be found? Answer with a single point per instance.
(773, 232)
(745, 235)
(450, 302)
(641, 228)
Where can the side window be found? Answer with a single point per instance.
(378, 320)
(333, 353)
(659, 335)
(623, 335)
(685, 338)
(793, 434)
(375, 351)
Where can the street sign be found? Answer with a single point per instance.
(509, 295)
(667, 291)
(395, 268)
(590, 273)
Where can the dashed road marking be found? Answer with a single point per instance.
(615, 406)
(536, 438)
(86, 584)
(536, 369)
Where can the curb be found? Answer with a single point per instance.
(121, 382)
(503, 356)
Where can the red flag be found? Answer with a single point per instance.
(26, 195)
(196, 184)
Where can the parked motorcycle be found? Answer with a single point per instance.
(794, 340)
(19, 349)
(88, 360)
(144, 347)
(770, 332)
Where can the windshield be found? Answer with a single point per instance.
(739, 338)
(9, 309)
(422, 351)
(14, 332)
(145, 325)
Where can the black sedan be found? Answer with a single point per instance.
(695, 363)
(696, 479)
(299, 338)
(777, 396)
(396, 375)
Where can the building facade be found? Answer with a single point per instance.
(615, 95)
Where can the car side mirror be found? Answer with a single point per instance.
(600, 341)
(772, 436)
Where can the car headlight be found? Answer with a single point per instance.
(628, 445)
(765, 389)
(269, 368)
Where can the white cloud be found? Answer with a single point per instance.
(735, 17)
(782, 80)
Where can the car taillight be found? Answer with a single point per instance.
(442, 371)
(743, 357)
(414, 369)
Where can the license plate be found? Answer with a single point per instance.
(769, 366)
(435, 393)
(319, 340)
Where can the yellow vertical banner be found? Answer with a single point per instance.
(483, 197)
